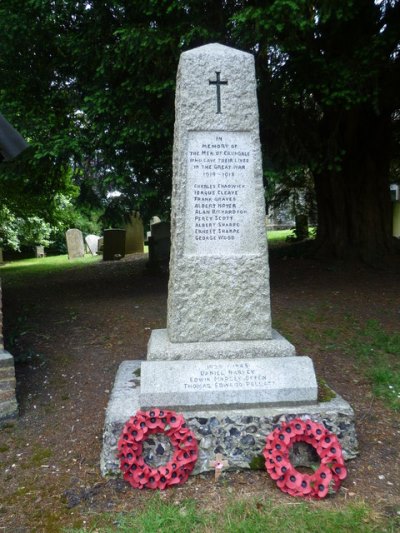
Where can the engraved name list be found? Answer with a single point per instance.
(220, 183)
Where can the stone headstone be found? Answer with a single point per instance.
(219, 361)
(75, 244)
(114, 244)
(92, 242)
(396, 219)
(301, 227)
(154, 220)
(159, 243)
(39, 252)
(134, 240)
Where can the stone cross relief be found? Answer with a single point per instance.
(218, 82)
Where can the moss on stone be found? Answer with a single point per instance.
(325, 393)
(257, 463)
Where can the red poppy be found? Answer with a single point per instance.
(293, 479)
(138, 473)
(288, 479)
(174, 420)
(154, 479)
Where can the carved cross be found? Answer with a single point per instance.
(218, 82)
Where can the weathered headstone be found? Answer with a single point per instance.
(39, 252)
(395, 197)
(219, 361)
(92, 242)
(159, 243)
(75, 244)
(301, 227)
(114, 244)
(134, 240)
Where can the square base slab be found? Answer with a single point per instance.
(160, 348)
(239, 434)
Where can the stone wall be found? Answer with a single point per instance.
(8, 402)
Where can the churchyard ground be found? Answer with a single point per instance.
(69, 329)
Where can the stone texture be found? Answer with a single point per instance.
(8, 402)
(238, 434)
(216, 383)
(161, 348)
(75, 244)
(219, 285)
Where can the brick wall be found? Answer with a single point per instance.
(8, 402)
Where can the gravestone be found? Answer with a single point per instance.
(301, 227)
(159, 243)
(92, 242)
(75, 244)
(134, 240)
(39, 252)
(219, 361)
(113, 244)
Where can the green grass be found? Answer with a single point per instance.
(379, 353)
(278, 236)
(243, 517)
(17, 271)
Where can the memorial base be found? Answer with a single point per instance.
(238, 434)
(160, 348)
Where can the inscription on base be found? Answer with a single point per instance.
(215, 376)
(220, 193)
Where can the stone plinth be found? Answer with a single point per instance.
(239, 434)
(161, 348)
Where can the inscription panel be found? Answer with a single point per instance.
(220, 382)
(217, 376)
(220, 194)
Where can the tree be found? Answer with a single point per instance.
(93, 84)
(329, 80)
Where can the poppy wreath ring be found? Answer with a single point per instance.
(130, 448)
(328, 476)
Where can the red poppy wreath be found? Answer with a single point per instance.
(331, 471)
(130, 448)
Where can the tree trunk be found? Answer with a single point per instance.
(353, 197)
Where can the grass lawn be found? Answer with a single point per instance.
(278, 236)
(243, 516)
(16, 272)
